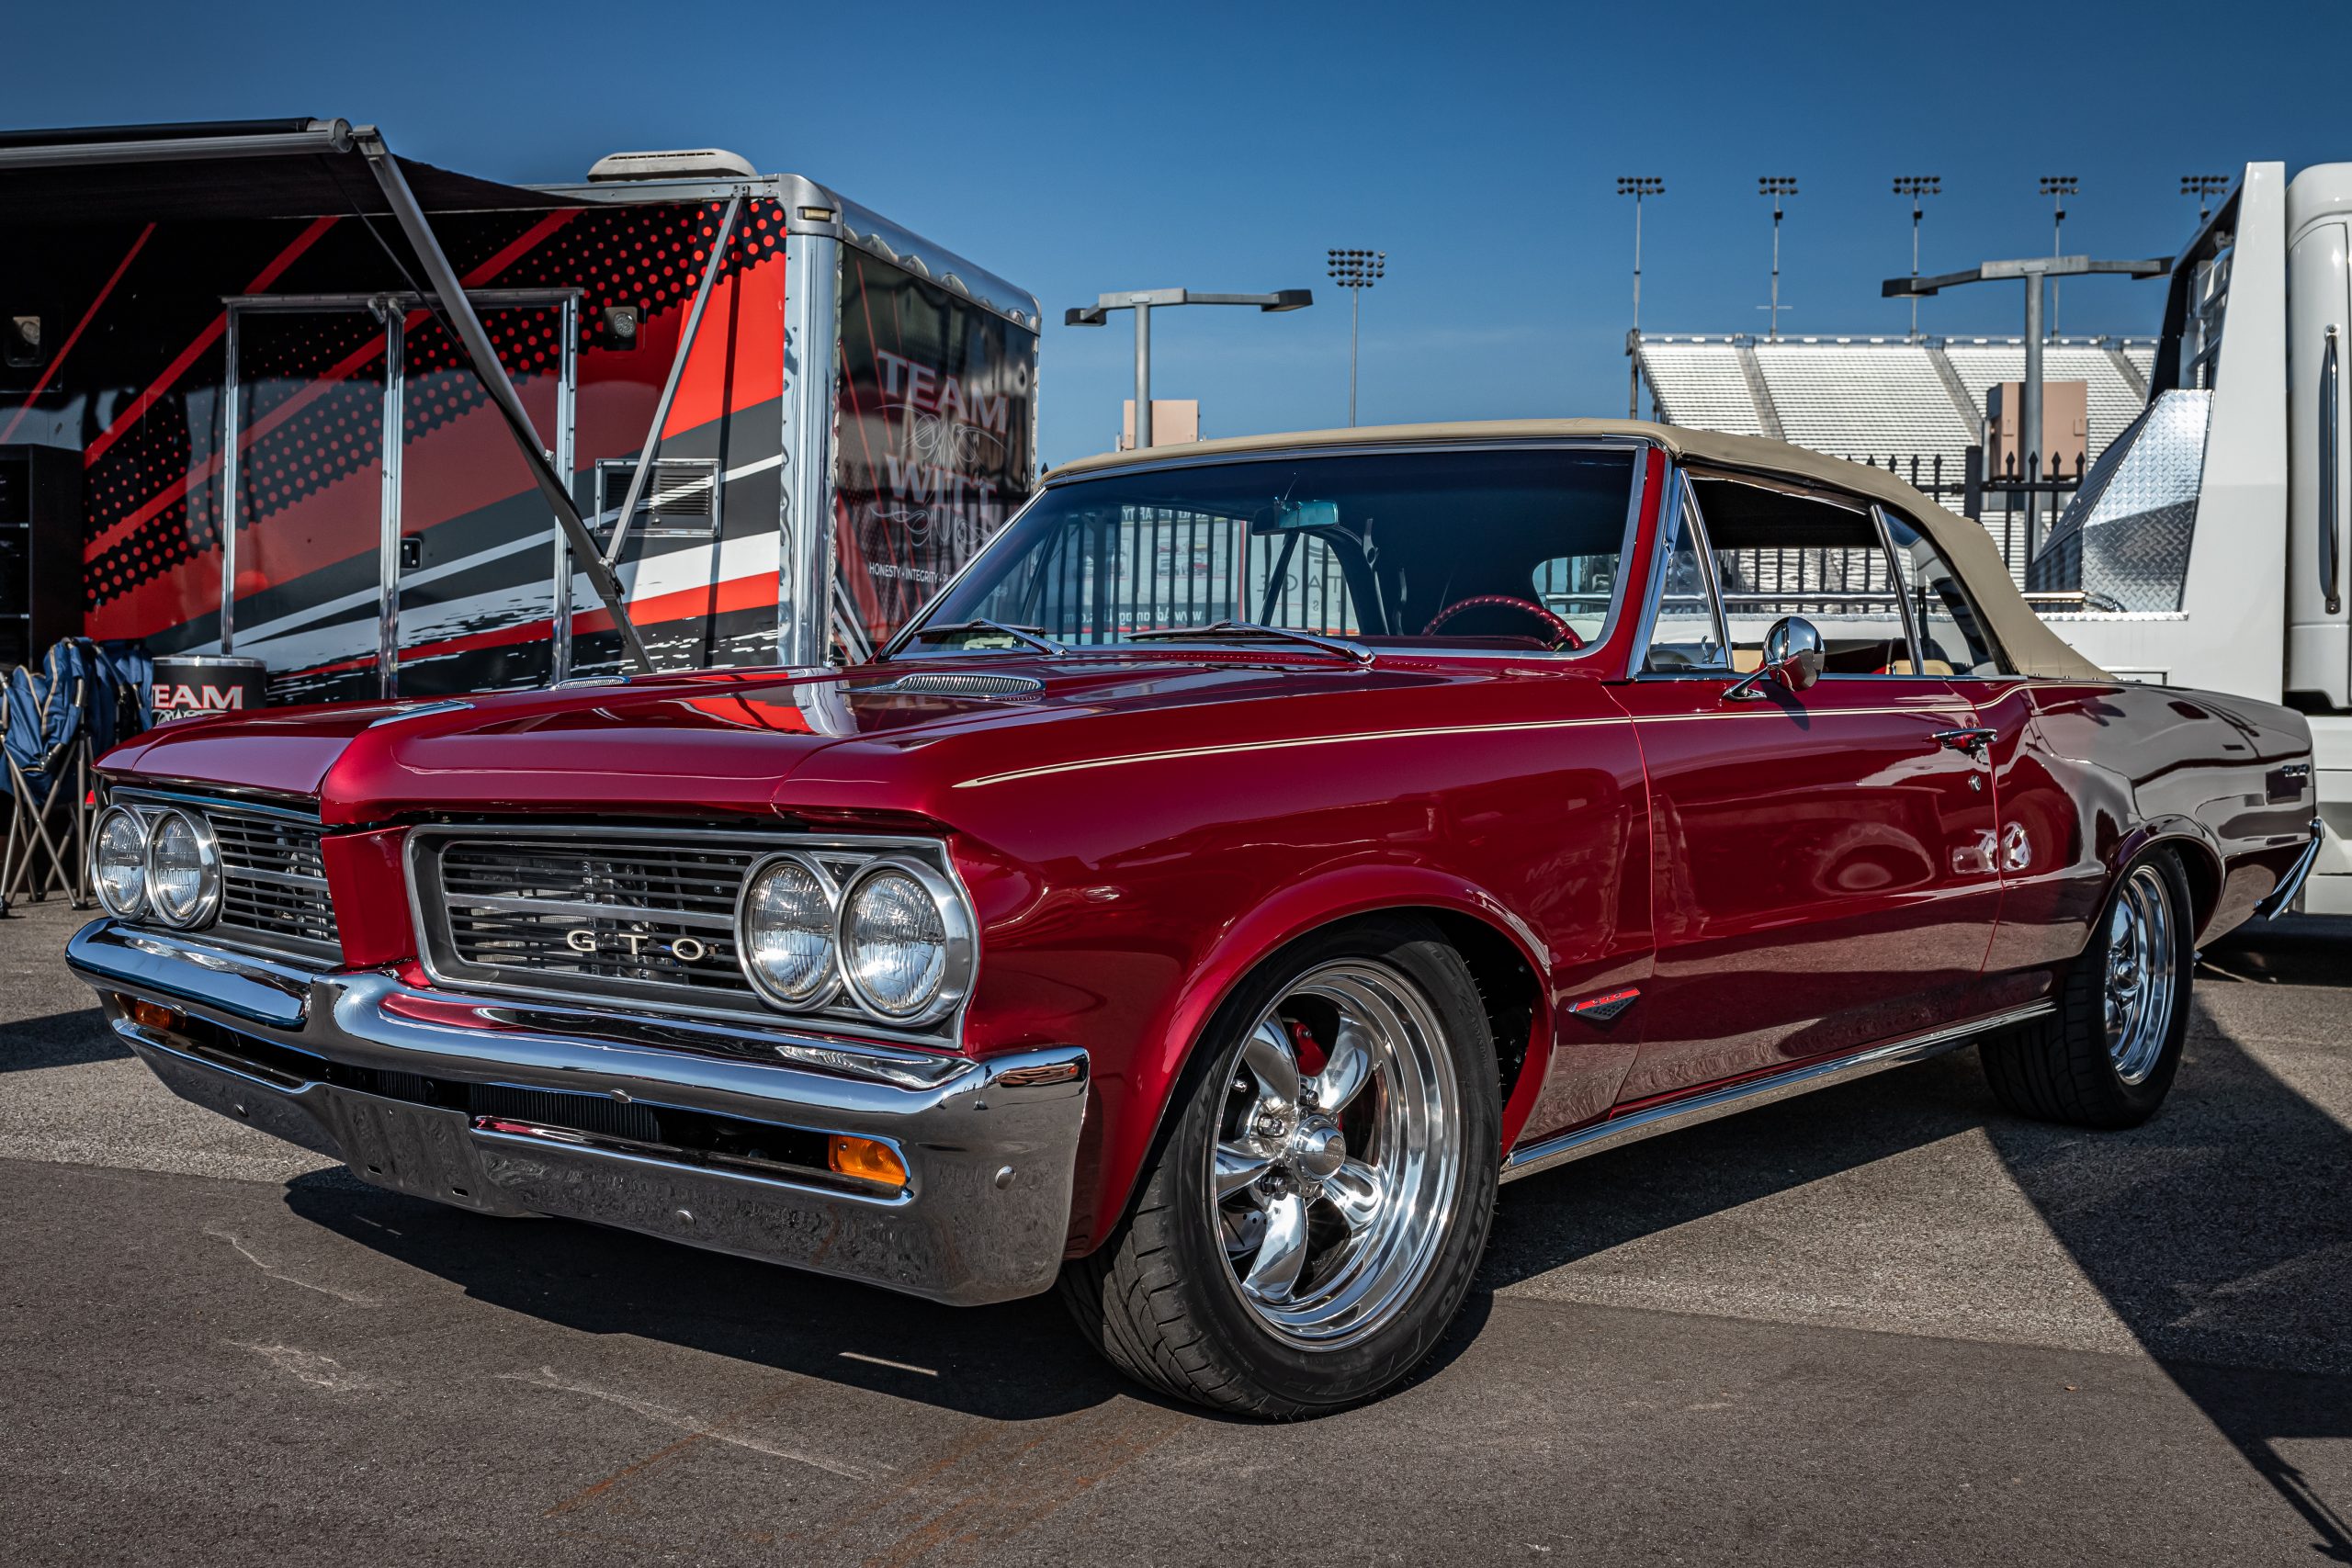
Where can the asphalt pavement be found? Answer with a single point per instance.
(1883, 1324)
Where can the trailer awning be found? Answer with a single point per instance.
(238, 169)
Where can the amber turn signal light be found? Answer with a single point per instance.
(868, 1159)
(154, 1015)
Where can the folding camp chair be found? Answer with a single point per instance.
(45, 746)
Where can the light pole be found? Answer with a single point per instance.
(2033, 271)
(1776, 186)
(2204, 188)
(1915, 186)
(2057, 187)
(1142, 302)
(1636, 186)
(1355, 271)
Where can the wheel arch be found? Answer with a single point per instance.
(1506, 958)
(2201, 862)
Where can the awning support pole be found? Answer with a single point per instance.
(476, 342)
(670, 387)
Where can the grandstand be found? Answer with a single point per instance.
(1879, 398)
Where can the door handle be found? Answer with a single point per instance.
(1969, 741)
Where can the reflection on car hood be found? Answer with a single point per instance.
(889, 736)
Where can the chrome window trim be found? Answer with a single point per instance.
(1638, 447)
(946, 1031)
(1901, 593)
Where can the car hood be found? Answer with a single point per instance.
(873, 740)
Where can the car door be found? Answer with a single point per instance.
(1823, 865)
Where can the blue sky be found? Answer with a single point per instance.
(1076, 149)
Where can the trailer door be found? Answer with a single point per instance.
(474, 578)
(2319, 421)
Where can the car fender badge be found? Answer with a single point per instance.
(1600, 1010)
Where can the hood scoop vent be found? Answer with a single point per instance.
(944, 683)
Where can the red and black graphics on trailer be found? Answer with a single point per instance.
(932, 449)
(137, 388)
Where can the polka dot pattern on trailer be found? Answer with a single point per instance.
(162, 473)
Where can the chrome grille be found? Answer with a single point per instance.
(273, 884)
(643, 915)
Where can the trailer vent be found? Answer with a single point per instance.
(679, 500)
(680, 164)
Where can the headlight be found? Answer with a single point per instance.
(785, 931)
(119, 861)
(183, 870)
(906, 942)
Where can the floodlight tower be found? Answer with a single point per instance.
(1638, 186)
(2057, 187)
(1355, 271)
(1776, 186)
(2204, 188)
(1915, 186)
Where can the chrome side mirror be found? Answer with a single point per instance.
(1792, 655)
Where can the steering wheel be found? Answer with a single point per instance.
(1562, 634)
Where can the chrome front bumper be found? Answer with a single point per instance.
(365, 1069)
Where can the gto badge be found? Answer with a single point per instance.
(685, 949)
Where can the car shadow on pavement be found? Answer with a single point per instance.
(2220, 1234)
(1016, 1361)
(59, 1039)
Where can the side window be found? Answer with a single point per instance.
(1685, 634)
(1779, 552)
(1953, 636)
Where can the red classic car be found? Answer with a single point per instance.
(1260, 850)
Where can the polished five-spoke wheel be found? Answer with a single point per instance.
(1316, 1213)
(2139, 951)
(2106, 1054)
(1334, 1162)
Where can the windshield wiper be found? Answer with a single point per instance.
(1225, 631)
(1034, 635)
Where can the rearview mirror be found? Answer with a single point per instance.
(1292, 515)
(1791, 656)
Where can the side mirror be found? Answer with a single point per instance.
(1792, 655)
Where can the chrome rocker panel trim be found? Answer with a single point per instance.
(991, 1147)
(1690, 1111)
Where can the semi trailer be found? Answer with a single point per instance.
(269, 390)
(2208, 546)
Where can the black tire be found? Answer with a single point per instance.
(2059, 1068)
(1159, 1299)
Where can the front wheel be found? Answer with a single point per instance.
(2107, 1058)
(1313, 1220)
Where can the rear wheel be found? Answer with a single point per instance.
(2107, 1058)
(1315, 1216)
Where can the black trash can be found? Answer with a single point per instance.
(190, 684)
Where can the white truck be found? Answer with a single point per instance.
(2208, 547)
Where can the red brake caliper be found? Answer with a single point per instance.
(1311, 1056)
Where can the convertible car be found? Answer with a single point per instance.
(1261, 850)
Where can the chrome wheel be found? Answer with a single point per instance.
(2139, 975)
(1337, 1155)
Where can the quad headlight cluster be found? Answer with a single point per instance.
(161, 864)
(895, 936)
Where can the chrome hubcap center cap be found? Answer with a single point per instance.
(1317, 1150)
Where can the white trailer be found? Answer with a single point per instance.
(2208, 547)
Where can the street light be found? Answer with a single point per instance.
(2057, 187)
(1915, 186)
(1142, 302)
(1776, 186)
(1636, 186)
(2204, 188)
(1355, 271)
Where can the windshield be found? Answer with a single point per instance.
(1506, 549)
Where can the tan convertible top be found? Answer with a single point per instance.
(2032, 647)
